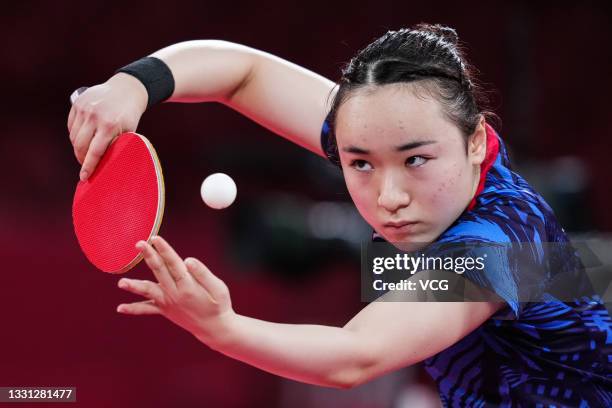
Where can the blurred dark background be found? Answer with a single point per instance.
(288, 248)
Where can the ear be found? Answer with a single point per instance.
(477, 143)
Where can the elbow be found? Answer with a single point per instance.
(366, 360)
(354, 375)
(349, 385)
(368, 369)
(347, 379)
(340, 383)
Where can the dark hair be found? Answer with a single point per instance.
(429, 55)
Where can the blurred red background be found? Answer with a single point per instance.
(548, 63)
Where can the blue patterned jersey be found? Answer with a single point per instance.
(536, 354)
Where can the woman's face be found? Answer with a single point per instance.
(404, 163)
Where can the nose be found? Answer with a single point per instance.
(392, 195)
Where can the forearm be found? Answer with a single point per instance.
(314, 354)
(206, 70)
(203, 70)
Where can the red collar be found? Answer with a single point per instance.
(490, 157)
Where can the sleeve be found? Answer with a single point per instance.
(509, 237)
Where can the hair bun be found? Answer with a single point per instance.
(447, 33)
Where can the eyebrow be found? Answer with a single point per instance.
(401, 148)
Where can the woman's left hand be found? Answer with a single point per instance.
(186, 292)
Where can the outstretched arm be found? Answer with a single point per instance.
(382, 337)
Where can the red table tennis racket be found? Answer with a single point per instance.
(121, 203)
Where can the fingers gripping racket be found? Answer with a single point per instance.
(121, 203)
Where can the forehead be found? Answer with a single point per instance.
(392, 113)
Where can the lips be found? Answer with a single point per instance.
(400, 227)
(399, 224)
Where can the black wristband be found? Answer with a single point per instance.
(154, 75)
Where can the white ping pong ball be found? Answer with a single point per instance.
(218, 191)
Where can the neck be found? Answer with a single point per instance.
(476, 182)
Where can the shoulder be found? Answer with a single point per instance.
(503, 218)
(507, 209)
(510, 222)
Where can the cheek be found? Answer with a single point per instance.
(448, 187)
(362, 194)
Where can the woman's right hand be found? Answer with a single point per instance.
(100, 114)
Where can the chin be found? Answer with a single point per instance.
(408, 242)
(408, 246)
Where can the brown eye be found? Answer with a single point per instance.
(416, 161)
(361, 165)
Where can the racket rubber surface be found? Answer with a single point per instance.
(121, 203)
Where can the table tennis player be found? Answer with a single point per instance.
(408, 126)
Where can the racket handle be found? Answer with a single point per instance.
(77, 93)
